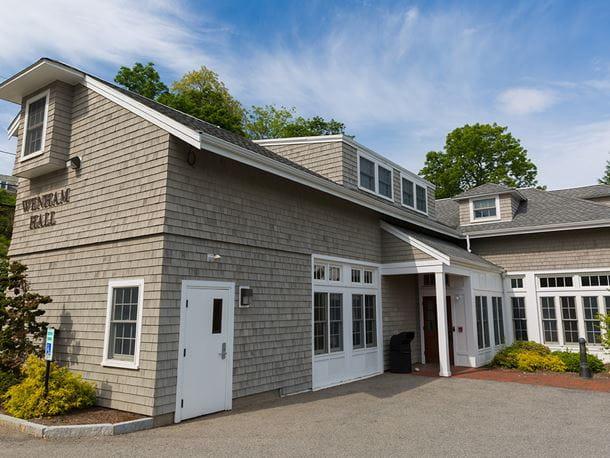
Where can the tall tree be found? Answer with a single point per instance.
(475, 155)
(141, 79)
(201, 94)
(271, 122)
(606, 178)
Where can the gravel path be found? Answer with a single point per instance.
(389, 415)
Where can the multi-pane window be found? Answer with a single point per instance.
(320, 323)
(595, 280)
(34, 130)
(549, 319)
(591, 311)
(516, 282)
(336, 322)
(482, 322)
(519, 319)
(384, 181)
(498, 316)
(484, 208)
(569, 319)
(367, 174)
(356, 275)
(408, 197)
(334, 273)
(123, 323)
(556, 282)
(319, 272)
(370, 320)
(357, 321)
(420, 199)
(368, 277)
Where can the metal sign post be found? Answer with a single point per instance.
(48, 356)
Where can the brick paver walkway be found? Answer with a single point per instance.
(566, 380)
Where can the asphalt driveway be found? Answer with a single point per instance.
(389, 415)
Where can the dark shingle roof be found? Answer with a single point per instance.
(448, 212)
(595, 191)
(453, 251)
(542, 208)
(484, 190)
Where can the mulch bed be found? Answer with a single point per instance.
(88, 416)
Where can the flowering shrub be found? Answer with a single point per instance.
(507, 357)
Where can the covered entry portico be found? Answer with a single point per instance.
(449, 279)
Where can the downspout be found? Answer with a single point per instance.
(468, 243)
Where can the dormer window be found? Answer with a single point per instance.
(485, 209)
(375, 177)
(35, 126)
(414, 195)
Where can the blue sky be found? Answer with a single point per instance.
(400, 75)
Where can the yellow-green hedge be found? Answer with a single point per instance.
(67, 391)
(529, 361)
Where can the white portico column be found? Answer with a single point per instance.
(442, 325)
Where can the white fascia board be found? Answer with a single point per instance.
(537, 229)
(202, 140)
(416, 243)
(342, 138)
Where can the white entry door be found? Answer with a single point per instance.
(205, 359)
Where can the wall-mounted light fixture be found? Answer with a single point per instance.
(214, 257)
(73, 163)
(245, 296)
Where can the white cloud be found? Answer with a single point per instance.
(523, 101)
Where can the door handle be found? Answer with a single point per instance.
(223, 352)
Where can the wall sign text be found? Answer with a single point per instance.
(44, 202)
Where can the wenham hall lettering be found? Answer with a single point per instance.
(44, 201)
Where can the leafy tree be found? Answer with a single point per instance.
(20, 332)
(141, 79)
(475, 155)
(201, 94)
(606, 178)
(7, 213)
(271, 122)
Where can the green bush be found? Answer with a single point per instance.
(530, 361)
(572, 361)
(507, 357)
(7, 379)
(67, 391)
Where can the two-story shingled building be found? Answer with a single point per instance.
(189, 266)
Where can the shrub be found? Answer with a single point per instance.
(572, 361)
(529, 361)
(67, 391)
(507, 357)
(7, 379)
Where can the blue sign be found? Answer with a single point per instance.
(48, 348)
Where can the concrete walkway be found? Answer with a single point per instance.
(389, 415)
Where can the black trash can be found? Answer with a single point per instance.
(400, 352)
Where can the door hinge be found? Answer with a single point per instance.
(181, 403)
(184, 353)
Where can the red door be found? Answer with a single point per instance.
(431, 329)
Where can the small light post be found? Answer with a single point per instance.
(585, 372)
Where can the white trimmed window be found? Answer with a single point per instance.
(364, 322)
(519, 318)
(556, 282)
(123, 323)
(498, 314)
(375, 177)
(595, 280)
(368, 277)
(482, 322)
(569, 319)
(414, 195)
(485, 209)
(35, 125)
(516, 282)
(549, 320)
(592, 324)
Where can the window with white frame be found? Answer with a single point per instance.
(334, 273)
(498, 316)
(320, 323)
(356, 275)
(123, 323)
(592, 324)
(595, 280)
(569, 319)
(368, 277)
(482, 322)
(556, 282)
(519, 318)
(364, 323)
(549, 319)
(319, 272)
(516, 282)
(484, 209)
(375, 177)
(35, 122)
(327, 272)
(414, 195)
